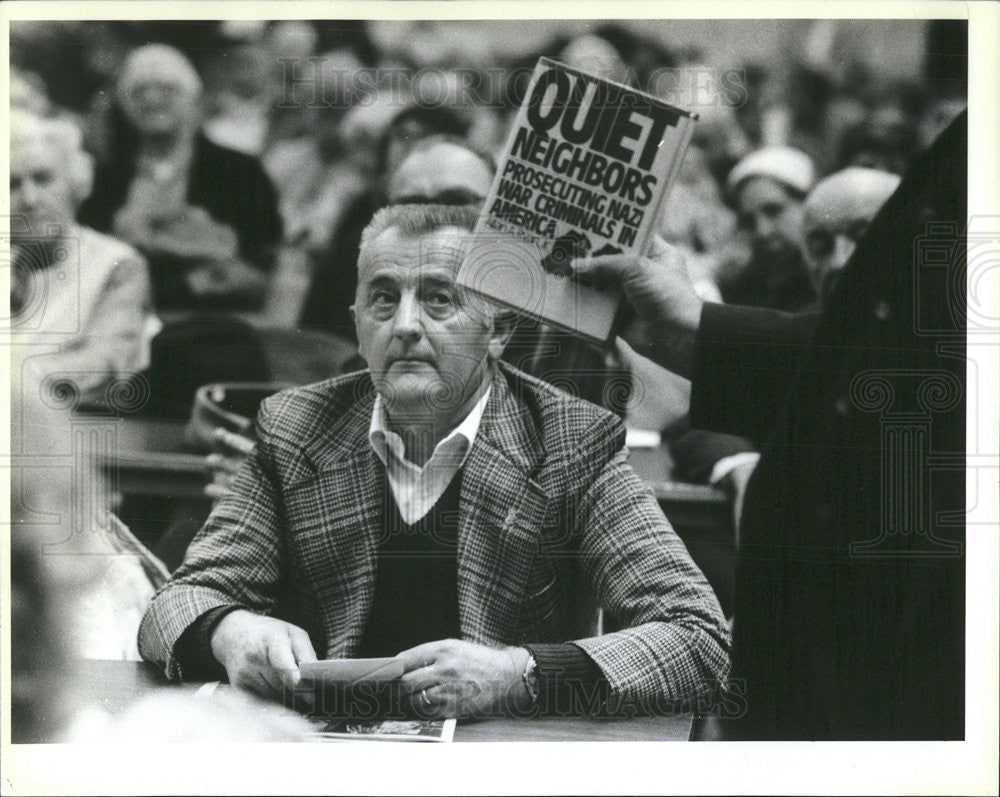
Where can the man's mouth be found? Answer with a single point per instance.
(408, 361)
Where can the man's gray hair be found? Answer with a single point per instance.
(414, 220)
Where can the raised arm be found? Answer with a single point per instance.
(744, 363)
(740, 360)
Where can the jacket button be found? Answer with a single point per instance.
(883, 310)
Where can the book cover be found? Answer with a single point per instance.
(585, 171)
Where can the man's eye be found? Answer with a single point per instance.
(438, 299)
(381, 298)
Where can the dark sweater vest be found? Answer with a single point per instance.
(416, 577)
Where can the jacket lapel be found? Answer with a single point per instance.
(501, 513)
(347, 500)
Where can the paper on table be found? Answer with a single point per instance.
(347, 672)
(387, 731)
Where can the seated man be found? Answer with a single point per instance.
(442, 507)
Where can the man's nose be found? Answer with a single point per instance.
(407, 323)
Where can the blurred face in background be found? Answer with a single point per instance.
(837, 215)
(444, 173)
(593, 54)
(771, 216)
(41, 190)
(159, 107)
(160, 92)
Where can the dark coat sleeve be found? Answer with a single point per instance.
(745, 362)
(695, 451)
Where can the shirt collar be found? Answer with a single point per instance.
(383, 439)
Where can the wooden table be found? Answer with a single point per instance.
(114, 685)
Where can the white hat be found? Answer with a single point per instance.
(786, 165)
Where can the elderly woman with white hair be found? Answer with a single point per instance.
(80, 301)
(205, 216)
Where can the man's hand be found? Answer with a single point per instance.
(659, 288)
(452, 678)
(261, 654)
(231, 449)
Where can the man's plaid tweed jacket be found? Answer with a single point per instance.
(553, 522)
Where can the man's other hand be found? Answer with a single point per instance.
(453, 678)
(261, 654)
(659, 289)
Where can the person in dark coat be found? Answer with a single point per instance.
(850, 604)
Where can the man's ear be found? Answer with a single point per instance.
(354, 317)
(504, 322)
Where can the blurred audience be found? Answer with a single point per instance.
(331, 292)
(238, 96)
(887, 144)
(695, 219)
(596, 55)
(80, 300)
(206, 217)
(441, 170)
(315, 175)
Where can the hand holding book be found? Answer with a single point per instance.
(663, 310)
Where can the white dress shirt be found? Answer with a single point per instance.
(417, 489)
